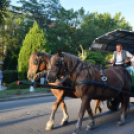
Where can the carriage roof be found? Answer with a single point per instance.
(108, 41)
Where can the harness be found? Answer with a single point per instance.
(103, 84)
(37, 62)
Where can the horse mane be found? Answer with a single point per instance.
(71, 60)
(72, 57)
(42, 53)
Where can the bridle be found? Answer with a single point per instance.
(38, 60)
(60, 63)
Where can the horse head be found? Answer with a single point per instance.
(61, 65)
(38, 62)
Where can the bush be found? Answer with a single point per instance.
(91, 56)
(108, 58)
(10, 76)
(15, 86)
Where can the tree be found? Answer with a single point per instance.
(63, 34)
(3, 8)
(42, 11)
(10, 38)
(35, 39)
(95, 25)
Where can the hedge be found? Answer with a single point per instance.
(15, 86)
(10, 76)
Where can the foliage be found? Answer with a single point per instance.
(70, 28)
(63, 34)
(95, 25)
(91, 56)
(108, 58)
(10, 33)
(10, 76)
(14, 85)
(95, 57)
(41, 11)
(3, 8)
(10, 43)
(34, 40)
(6, 62)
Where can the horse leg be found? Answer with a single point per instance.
(65, 114)
(84, 106)
(91, 119)
(97, 107)
(124, 106)
(50, 123)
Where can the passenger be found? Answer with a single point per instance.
(121, 57)
(132, 64)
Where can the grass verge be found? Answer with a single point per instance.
(7, 93)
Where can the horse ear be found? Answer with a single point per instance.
(59, 53)
(36, 52)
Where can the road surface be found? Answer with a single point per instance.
(30, 116)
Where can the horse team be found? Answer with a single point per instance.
(72, 71)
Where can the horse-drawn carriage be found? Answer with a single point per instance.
(87, 82)
(107, 42)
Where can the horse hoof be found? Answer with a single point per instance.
(94, 113)
(77, 131)
(63, 123)
(48, 128)
(89, 127)
(119, 123)
(99, 110)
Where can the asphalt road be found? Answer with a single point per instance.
(30, 116)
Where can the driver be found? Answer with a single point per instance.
(121, 57)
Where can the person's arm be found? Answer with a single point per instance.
(129, 55)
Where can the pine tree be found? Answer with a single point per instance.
(34, 40)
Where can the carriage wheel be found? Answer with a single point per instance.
(113, 104)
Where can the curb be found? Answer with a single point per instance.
(25, 97)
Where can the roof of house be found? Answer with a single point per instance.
(108, 41)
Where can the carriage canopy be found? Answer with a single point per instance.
(108, 41)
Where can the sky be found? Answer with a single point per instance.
(126, 7)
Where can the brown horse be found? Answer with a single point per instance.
(79, 72)
(38, 64)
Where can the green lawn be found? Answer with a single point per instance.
(7, 93)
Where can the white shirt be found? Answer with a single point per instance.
(119, 59)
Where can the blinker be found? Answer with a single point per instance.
(35, 62)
